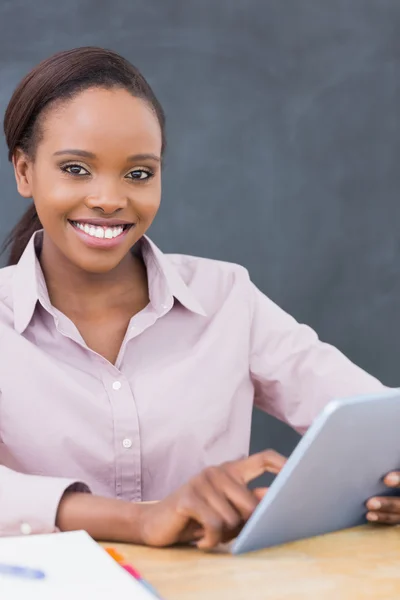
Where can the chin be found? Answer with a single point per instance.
(98, 267)
(97, 264)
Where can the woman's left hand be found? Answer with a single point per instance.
(386, 509)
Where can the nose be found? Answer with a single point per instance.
(109, 199)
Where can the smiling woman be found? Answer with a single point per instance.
(92, 169)
(136, 372)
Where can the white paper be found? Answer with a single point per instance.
(73, 564)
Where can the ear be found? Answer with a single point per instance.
(23, 173)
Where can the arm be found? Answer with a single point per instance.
(211, 507)
(294, 373)
(28, 503)
(103, 518)
(38, 504)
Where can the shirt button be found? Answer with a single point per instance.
(116, 385)
(25, 529)
(127, 443)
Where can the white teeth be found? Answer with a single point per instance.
(100, 232)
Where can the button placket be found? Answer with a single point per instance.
(126, 439)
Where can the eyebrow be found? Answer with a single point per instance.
(86, 154)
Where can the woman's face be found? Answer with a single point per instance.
(95, 178)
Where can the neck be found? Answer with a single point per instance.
(74, 291)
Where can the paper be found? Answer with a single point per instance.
(75, 567)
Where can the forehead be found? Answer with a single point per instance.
(102, 120)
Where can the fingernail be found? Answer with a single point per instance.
(374, 504)
(372, 517)
(393, 479)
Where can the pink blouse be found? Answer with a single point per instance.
(179, 398)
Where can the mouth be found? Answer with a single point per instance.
(104, 235)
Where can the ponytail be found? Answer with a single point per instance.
(19, 237)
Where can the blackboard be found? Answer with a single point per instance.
(284, 147)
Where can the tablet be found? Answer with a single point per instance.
(334, 469)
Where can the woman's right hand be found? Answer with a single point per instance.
(212, 507)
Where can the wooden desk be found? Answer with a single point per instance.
(349, 565)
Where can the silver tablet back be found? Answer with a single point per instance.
(335, 468)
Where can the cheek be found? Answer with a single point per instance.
(53, 195)
(146, 201)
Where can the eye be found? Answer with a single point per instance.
(140, 174)
(74, 169)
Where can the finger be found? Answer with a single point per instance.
(392, 479)
(192, 533)
(213, 528)
(260, 493)
(237, 494)
(387, 504)
(267, 461)
(213, 488)
(383, 517)
(194, 507)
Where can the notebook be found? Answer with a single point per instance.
(75, 566)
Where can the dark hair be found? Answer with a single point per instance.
(58, 78)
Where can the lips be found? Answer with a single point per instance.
(101, 232)
(101, 222)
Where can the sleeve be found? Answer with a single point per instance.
(295, 374)
(29, 503)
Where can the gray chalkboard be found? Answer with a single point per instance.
(284, 146)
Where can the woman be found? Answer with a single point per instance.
(124, 372)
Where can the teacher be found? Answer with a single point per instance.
(127, 375)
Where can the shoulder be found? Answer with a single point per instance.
(6, 302)
(214, 270)
(6, 277)
(213, 282)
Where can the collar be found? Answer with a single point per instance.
(164, 280)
